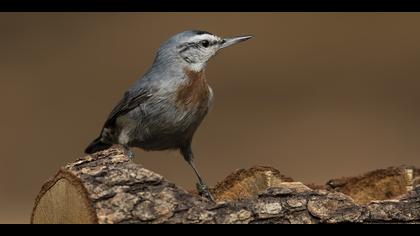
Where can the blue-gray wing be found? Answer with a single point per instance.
(127, 103)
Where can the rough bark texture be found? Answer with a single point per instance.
(109, 188)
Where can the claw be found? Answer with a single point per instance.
(129, 153)
(204, 191)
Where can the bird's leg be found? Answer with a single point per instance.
(201, 185)
(130, 153)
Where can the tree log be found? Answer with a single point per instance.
(108, 188)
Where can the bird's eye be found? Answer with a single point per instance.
(205, 43)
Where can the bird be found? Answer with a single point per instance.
(164, 108)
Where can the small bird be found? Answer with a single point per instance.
(164, 108)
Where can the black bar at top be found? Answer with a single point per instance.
(209, 6)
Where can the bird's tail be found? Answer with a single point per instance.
(96, 146)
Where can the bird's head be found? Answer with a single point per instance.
(194, 48)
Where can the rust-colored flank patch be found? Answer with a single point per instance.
(195, 91)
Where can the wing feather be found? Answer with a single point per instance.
(127, 103)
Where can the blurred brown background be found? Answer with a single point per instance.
(317, 95)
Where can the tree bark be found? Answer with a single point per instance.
(108, 188)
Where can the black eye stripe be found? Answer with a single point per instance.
(186, 46)
(210, 43)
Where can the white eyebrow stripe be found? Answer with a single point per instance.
(209, 37)
(193, 42)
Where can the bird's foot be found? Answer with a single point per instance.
(129, 153)
(204, 191)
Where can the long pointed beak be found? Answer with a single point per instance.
(231, 41)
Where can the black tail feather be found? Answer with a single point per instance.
(96, 146)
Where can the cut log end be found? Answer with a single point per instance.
(248, 183)
(107, 187)
(63, 199)
(383, 184)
